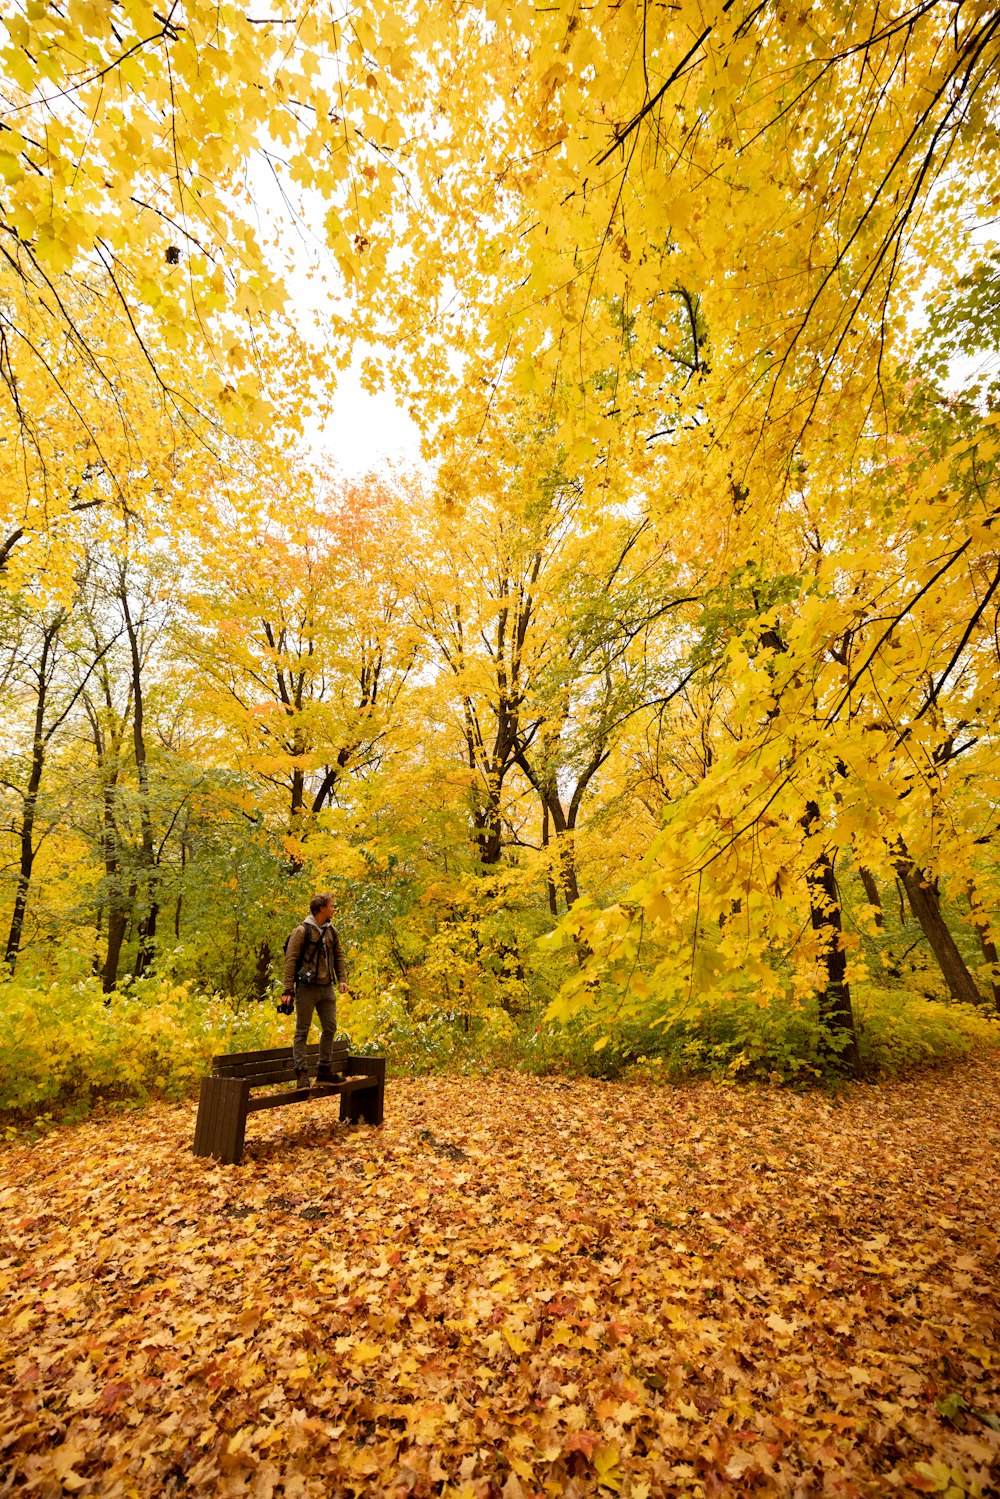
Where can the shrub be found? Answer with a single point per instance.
(899, 1030)
(784, 1041)
(61, 1045)
(731, 1037)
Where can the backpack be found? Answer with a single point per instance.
(307, 968)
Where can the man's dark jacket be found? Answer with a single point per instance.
(329, 958)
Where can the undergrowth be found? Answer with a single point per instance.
(731, 1037)
(67, 1046)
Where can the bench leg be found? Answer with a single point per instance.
(222, 1119)
(366, 1103)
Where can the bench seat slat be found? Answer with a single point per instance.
(276, 1054)
(273, 1064)
(281, 1061)
(285, 1074)
(223, 1067)
(295, 1095)
(260, 1056)
(272, 1075)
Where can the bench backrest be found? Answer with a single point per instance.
(274, 1066)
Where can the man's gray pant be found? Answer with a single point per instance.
(310, 997)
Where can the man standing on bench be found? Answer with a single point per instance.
(312, 959)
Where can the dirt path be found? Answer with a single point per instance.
(514, 1287)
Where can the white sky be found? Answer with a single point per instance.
(364, 432)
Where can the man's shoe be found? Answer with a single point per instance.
(301, 1080)
(324, 1075)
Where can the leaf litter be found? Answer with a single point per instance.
(516, 1287)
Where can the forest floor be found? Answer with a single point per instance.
(515, 1287)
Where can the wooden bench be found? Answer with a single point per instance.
(225, 1098)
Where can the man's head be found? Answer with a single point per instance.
(321, 907)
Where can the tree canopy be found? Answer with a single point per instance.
(645, 730)
(671, 682)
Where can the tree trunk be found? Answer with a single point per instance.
(95, 962)
(564, 822)
(566, 842)
(993, 958)
(488, 830)
(488, 770)
(875, 901)
(296, 807)
(565, 846)
(29, 801)
(926, 908)
(147, 935)
(234, 966)
(981, 922)
(180, 893)
(491, 843)
(297, 800)
(550, 884)
(117, 927)
(901, 892)
(835, 1008)
(871, 892)
(118, 911)
(147, 925)
(262, 972)
(17, 917)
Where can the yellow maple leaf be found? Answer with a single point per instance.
(514, 1341)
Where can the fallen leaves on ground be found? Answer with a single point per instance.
(515, 1287)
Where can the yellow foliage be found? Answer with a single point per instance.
(64, 1043)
